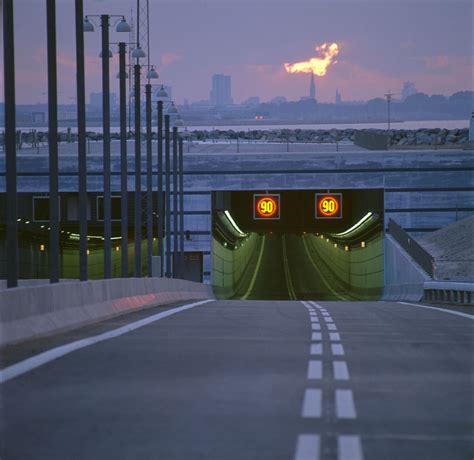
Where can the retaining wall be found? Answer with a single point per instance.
(29, 312)
(404, 279)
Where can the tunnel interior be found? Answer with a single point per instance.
(294, 250)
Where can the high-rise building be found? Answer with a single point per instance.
(312, 88)
(338, 97)
(408, 89)
(221, 91)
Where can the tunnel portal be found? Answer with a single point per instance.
(298, 244)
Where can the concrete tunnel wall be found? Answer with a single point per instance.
(230, 265)
(357, 273)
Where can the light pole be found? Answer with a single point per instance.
(160, 95)
(121, 26)
(175, 203)
(53, 143)
(81, 139)
(123, 159)
(389, 96)
(181, 209)
(151, 74)
(167, 196)
(10, 143)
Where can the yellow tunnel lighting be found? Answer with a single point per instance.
(88, 251)
(42, 248)
(346, 248)
(335, 245)
(327, 240)
(322, 237)
(362, 244)
(117, 248)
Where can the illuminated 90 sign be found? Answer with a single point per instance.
(328, 205)
(266, 207)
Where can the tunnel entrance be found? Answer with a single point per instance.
(298, 244)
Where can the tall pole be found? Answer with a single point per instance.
(149, 179)
(160, 185)
(181, 209)
(104, 20)
(53, 143)
(138, 173)
(175, 203)
(81, 139)
(10, 143)
(168, 196)
(123, 160)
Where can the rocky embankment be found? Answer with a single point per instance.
(401, 137)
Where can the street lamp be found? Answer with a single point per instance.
(151, 74)
(120, 26)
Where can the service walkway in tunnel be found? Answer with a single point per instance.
(251, 380)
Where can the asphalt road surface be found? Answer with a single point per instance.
(251, 380)
(286, 271)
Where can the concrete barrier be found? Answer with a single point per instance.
(404, 279)
(29, 312)
(449, 292)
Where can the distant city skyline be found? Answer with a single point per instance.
(431, 47)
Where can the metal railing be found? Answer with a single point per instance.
(423, 258)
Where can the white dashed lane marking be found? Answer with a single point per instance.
(349, 448)
(341, 372)
(312, 403)
(308, 447)
(316, 326)
(337, 349)
(315, 370)
(331, 327)
(316, 349)
(334, 336)
(316, 336)
(345, 407)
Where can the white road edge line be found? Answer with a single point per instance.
(349, 447)
(345, 407)
(257, 268)
(312, 403)
(457, 313)
(34, 362)
(307, 447)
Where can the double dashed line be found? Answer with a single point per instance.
(308, 446)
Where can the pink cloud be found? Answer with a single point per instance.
(169, 57)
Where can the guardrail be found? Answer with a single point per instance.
(424, 259)
(448, 292)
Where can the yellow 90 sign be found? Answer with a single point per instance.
(328, 205)
(266, 207)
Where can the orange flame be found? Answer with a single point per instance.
(317, 65)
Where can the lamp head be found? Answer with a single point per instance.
(152, 74)
(138, 53)
(87, 25)
(123, 26)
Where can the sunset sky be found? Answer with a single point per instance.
(382, 43)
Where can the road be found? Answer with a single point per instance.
(251, 380)
(287, 272)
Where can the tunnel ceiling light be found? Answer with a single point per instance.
(356, 225)
(234, 224)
